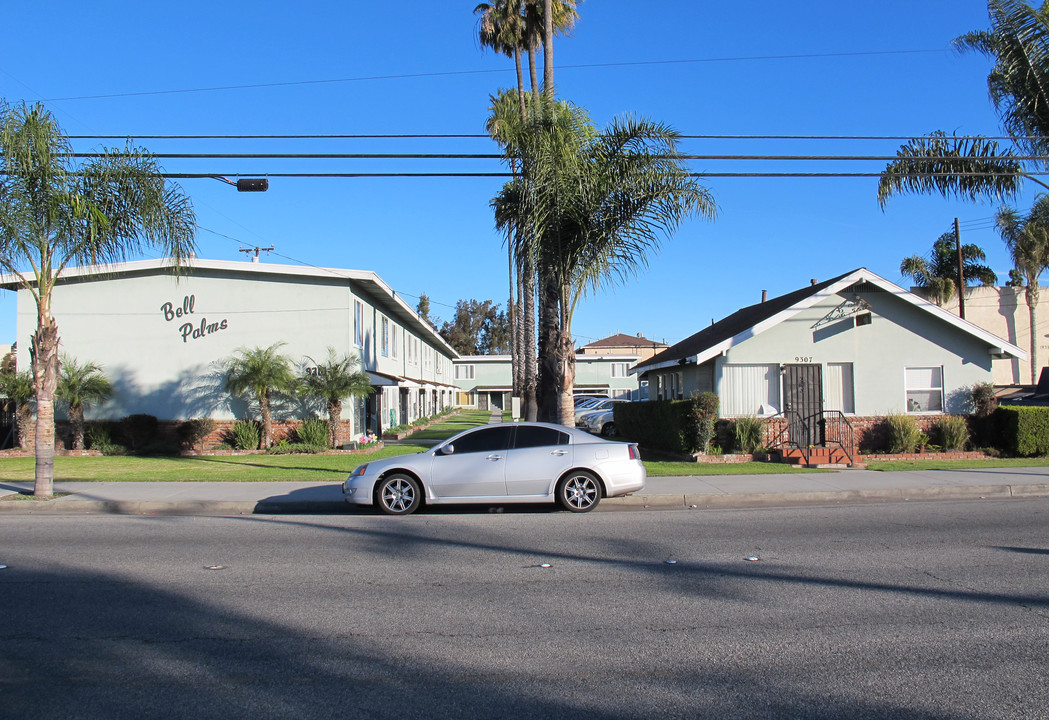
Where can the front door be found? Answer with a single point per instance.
(803, 402)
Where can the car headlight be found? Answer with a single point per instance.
(359, 471)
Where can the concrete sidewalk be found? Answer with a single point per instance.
(720, 491)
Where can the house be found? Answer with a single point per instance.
(486, 381)
(855, 347)
(161, 337)
(620, 344)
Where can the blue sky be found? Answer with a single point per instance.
(818, 68)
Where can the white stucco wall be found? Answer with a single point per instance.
(161, 340)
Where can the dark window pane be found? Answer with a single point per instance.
(529, 436)
(485, 440)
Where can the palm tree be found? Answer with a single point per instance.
(597, 204)
(17, 386)
(79, 386)
(977, 167)
(56, 212)
(333, 380)
(262, 372)
(938, 273)
(1028, 242)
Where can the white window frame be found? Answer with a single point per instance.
(907, 390)
(619, 369)
(384, 343)
(768, 399)
(845, 388)
(358, 323)
(394, 344)
(464, 372)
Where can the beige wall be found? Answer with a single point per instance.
(1003, 311)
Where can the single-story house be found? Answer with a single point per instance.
(161, 337)
(855, 346)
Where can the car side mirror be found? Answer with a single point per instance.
(447, 450)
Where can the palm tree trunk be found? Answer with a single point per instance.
(548, 49)
(1031, 295)
(24, 414)
(334, 416)
(76, 426)
(529, 368)
(267, 421)
(44, 351)
(548, 393)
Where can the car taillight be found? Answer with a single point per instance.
(634, 454)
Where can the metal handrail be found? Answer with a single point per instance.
(820, 419)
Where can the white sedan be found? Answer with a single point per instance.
(502, 463)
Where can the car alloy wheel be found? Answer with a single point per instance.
(579, 492)
(609, 430)
(399, 495)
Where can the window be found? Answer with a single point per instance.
(924, 389)
(619, 369)
(529, 436)
(358, 323)
(464, 372)
(486, 440)
(394, 344)
(837, 388)
(385, 345)
(750, 390)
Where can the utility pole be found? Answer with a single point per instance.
(256, 250)
(961, 271)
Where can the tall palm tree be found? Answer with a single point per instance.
(79, 386)
(972, 168)
(1028, 241)
(56, 212)
(17, 386)
(599, 204)
(262, 372)
(938, 273)
(332, 380)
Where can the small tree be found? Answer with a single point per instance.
(80, 386)
(333, 380)
(262, 372)
(18, 387)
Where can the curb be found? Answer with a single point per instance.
(630, 502)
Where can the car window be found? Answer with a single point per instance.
(529, 436)
(484, 440)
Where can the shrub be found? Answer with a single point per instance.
(139, 430)
(160, 447)
(951, 433)
(984, 399)
(903, 433)
(246, 435)
(191, 432)
(1023, 431)
(286, 448)
(99, 436)
(656, 423)
(749, 433)
(701, 421)
(313, 431)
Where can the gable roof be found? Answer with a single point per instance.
(752, 320)
(624, 340)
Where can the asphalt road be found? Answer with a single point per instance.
(909, 610)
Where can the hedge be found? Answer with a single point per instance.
(664, 424)
(1023, 431)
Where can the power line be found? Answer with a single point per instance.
(497, 156)
(193, 176)
(460, 136)
(453, 73)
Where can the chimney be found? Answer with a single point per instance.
(764, 295)
(813, 281)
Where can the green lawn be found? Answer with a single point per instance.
(453, 425)
(890, 465)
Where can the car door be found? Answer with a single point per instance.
(476, 467)
(540, 455)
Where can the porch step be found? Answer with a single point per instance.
(815, 457)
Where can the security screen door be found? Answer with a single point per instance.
(803, 401)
